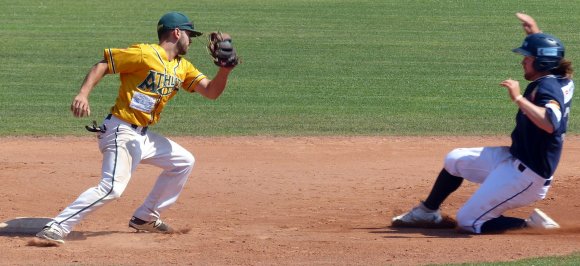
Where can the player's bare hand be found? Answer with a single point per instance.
(80, 106)
(528, 23)
(513, 87)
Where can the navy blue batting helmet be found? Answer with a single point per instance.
(547, 49)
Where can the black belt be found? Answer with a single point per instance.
(522, 168)
(133, 126)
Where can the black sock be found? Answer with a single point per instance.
(445, 184)
(501, 224)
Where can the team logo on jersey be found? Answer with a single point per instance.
(160, 83)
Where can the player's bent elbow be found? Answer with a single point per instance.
(210, 96)
(549, 129)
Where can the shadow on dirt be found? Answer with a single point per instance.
(409, 232)
(29, 226)
(23, 226)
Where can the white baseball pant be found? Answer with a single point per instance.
(506, 183)
(124, 147)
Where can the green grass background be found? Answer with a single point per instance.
(310, 67)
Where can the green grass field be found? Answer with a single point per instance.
(571, 260)
(310, 67)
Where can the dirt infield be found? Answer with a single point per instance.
(259, 200)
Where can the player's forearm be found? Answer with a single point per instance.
(536, 114)
(218, 84)
(97, 72)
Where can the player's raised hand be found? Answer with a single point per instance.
(513, 87)
(80, 106)
(528, 23)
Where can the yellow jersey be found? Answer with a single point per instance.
(148, 81)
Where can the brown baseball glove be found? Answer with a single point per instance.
(221, 50)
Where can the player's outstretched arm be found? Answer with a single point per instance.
(80, 104)
(528, 23)
(212, 89)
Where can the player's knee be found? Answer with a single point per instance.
(451, 161)
(116, 192)
(109, 192)
(189, 160)
(184, 164)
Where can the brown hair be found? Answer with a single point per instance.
(163, 33)
(564, 69)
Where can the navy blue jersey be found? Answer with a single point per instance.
(536, 148)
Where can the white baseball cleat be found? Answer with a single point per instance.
(540, 220)
(52, 233)
(419, 216)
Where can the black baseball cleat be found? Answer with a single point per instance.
(157, 226)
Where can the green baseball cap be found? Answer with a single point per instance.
(175, 20)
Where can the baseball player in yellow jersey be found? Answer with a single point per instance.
(150, 74)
